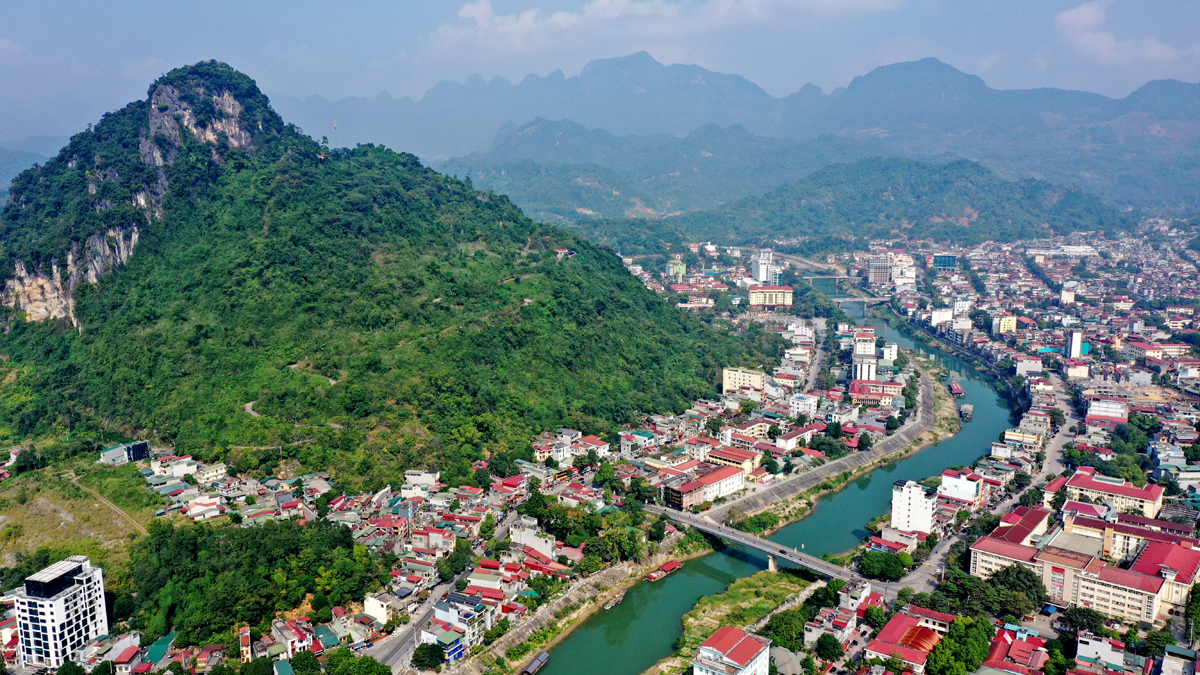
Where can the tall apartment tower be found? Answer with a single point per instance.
(913, 506)
(59, 609)
(864, 358)
(879, 269)
(763, 268)
(1075, 346)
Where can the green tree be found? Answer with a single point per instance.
(1155, 643)
(1082, 619)
(606, 476)
(876, 616)
(1021, 480)
(258, 667)
(71, 668)
(1057, 418)
(342, 661)
(828, 647)
(305, 662)
(429, 657)
(865, 442)
(1032, 497)
(773, 432)
(962, 649)
(713, 426)
(658, 531)
(487, 529)
(1059, 500)
(879, 565)
(786, 629)
(1023, 580)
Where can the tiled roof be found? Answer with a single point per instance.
(1084, 481)
(1130, 579)
(1005, 549)
(1158, 555)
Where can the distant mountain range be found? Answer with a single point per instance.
(842, 206)
(12, 162)
(1142, 150)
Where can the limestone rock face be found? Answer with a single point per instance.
(214, 118)
(52, 296)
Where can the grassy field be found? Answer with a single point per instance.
(45, 509)
(745, 601)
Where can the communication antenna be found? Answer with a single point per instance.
(335, 133)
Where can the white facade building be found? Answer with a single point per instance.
(58, 610)
(803, 404)
(913, 506)
(1075, 346)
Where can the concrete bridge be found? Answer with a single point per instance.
(865, 301)
(774, 551)
(824, 276)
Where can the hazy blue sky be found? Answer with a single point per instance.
(64, 63)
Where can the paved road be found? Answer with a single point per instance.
(750, 541)
(924, 577)
(396, 649)
(814, 368)
(784, 487)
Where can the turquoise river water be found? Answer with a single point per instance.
(633, 636)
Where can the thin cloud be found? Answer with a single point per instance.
(10, 49)
(481, 29)
(1082, 27)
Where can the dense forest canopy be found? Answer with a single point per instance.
(378, 314)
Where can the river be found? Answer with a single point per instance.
(633, 636)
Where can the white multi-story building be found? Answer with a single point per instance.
(1075, 347)
(763, 268)
(58, 610)
(913, 506)
(889, 351)
(803, 404)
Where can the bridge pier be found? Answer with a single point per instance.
(772, 566)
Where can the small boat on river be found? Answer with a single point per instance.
(956, 390)
(616, 600)
(663, 571)
(966, 411)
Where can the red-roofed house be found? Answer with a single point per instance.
(904, 635)
(730, 651)
(127, 660)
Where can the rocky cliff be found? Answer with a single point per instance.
(115, 189)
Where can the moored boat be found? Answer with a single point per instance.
(616, 600)
(663, 571)
(966, 411)
(956, 390)
(536, 664)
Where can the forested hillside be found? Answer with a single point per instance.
(879, 198)
(373, 313)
